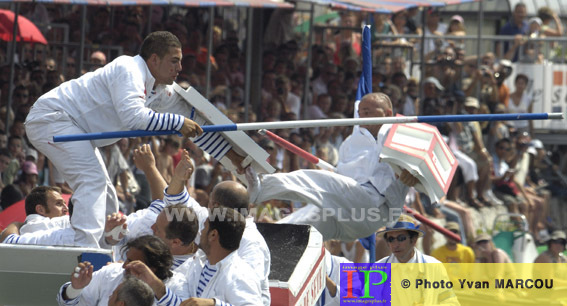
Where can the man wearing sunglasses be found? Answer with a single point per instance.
(401, 238)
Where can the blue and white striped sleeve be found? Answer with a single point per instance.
(173, 199)
(213, 142)
(62, 302)
(11, 239)
(156, 206)
(164, 121)
(169, 299)
(221, 303)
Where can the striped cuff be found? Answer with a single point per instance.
(221, 303)
(12, 238)
(180, 198)
(62, 301)
(156, 206)
(169, 299)
(164, 121)
(213, 143)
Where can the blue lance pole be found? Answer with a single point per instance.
(316, 123)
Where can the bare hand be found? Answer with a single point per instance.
(198, 302)
(236, 160)
(408, 179)
(144, 158)
(184, 168)
(141, 271)
(85, 275)
(190, 129)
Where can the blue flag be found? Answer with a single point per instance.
(365, 87)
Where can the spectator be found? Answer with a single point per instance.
(321, 108)
(98, 59)
(456, 28)
(452, 251)
(555, 249)
(502, 179)
(547, 15)
(10, 195)
(516, 26)
(521, 101)
(487, 252)
(434, 27)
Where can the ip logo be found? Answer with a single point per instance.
(365, 283)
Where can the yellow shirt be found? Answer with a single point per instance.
(462, 254)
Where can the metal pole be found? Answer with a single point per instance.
(209, 52)
(248, 69)
(82, 45)
(422, 55)
(309, 55)
(150, 19)
(478, 46)
(12, 65)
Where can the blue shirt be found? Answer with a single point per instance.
(511, 29)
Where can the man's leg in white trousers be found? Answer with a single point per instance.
(82, 169)
(358, 210)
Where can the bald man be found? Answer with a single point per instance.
(357, 200)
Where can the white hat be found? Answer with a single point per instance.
(536, 144)
(472, 102)
(435, 82)
(32, 153)
(536, 20)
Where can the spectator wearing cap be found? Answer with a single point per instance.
(497, 130)
(453, 251)
(487, 252)
(456, 28)
(28, 178)
(517, 26)
(555, 249)
(470, 142)
(401, 237)
(531, 51)
(432, 103)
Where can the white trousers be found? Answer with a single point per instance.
(468, 166)
(341, 208)
(82, 167)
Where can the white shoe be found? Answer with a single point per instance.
(489, 195)
(253, 184)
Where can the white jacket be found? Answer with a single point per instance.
(105, 280)
(359, 158)
(253, 248)
(35, 222)
(232, 283)
(120, 96)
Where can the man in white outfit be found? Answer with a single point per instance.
(45, 209)
(228, 194)
(120, 96)
(401, 237)
(88, 288)
(217, 275)
(356, 201)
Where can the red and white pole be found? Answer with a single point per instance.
(298, 151)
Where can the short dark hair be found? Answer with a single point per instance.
(232, 195)
(502, 141)
(158, 43)
(135, 292)
(185, 227)
(156, 252)
(521, 76)
(229, 224)
(11, 138)
(5, 152)
(38, 196)
(10, 195)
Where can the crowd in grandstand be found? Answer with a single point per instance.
(502, 167)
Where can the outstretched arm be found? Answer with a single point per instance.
(181, 174)
(145, 161)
